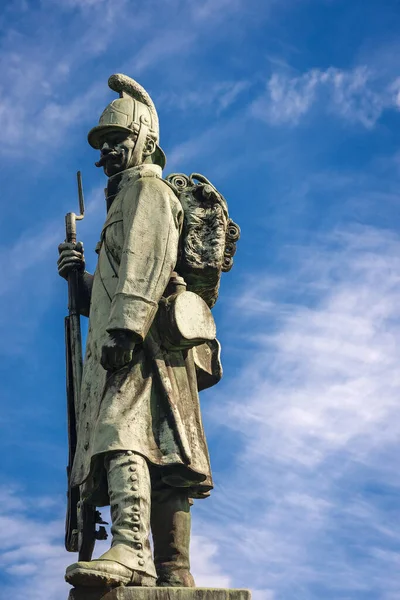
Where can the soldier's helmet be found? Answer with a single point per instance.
(127, 113)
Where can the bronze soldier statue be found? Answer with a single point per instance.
(140, 444)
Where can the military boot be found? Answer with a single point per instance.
(129, 560)
(170, 524)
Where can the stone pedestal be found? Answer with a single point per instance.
(158, 593)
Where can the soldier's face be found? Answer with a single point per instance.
(116, 152)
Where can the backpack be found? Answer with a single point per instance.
(209, 236)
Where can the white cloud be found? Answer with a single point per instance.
(345, 345)
(210, 9)
(31, 555)
(218, 96)
(356, 95)
(204, 558)
(289, 99)
(38, 104)
(33, 558)
(395, 90)
(315, 409)
(181, 156)
(30, 272)
(164, 45)
(217, 10)
(45, 95)
(262, 595)
(80, 3)
(231, 92)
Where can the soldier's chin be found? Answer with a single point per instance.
(112, 168)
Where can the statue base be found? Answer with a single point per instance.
(157, 593)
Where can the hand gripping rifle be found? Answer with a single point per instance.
(81, 518)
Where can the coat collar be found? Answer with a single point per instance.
(118, 181)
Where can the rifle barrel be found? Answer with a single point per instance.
(80, 195)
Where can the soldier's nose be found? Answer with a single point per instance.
(105, 149)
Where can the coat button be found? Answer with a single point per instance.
(140, 554)
(135, 488)
(141, 563)
(136, 518)
(133, 477)
(135, 529)
(137, 536)
(129, 452)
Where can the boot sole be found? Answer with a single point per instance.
(87, 577)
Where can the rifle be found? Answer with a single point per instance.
(81, 517)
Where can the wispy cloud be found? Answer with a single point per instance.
(45, 95)
(346, 342)
(287, 99)
(205, 563)
(214, 11)
(30, 272)
(82, 4)
(33, 559)
(206, 145)
(209, 9)
(31, 553)
(316, 409)
(356, 95)
(159, 48)
(25, 291)
(53, 84)
(37, 102)
(218, 96)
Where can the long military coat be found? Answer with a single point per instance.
(150, 406)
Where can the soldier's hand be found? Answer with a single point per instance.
(71, 258)
(117, 351)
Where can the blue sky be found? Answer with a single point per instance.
(292, 109)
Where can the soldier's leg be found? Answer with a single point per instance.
(170, 525)
(129, 560)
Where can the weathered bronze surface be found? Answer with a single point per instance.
(137, 593)
(136, 436)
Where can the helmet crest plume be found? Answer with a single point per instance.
(122, 83)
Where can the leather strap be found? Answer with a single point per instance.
(136, 157)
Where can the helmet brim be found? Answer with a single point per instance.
(96, 134)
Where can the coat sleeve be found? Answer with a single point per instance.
(151, 235)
